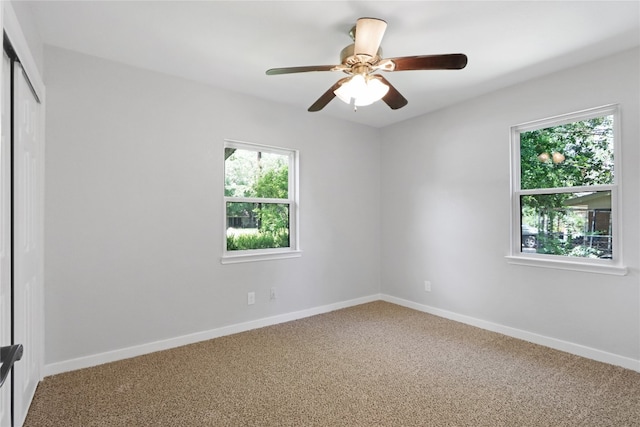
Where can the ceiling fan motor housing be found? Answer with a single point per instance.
(347, 56)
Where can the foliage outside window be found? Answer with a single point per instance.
(260, 199)
(565, 187)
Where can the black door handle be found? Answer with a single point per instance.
(9, 355)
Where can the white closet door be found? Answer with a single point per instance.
(27, 249)
(5, 233)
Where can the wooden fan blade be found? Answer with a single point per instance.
(393, 98)
(327, 96)
(369, 32)
(453, 61)
(290, 70)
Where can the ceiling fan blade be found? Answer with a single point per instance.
(453, 61)
(290, 70)
(327, 96)
(393, 98)
(369, 32)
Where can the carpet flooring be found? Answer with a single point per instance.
(375, 364)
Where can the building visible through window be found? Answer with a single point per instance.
(565, 190)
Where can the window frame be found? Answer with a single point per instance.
(605, 266)
(250, 255)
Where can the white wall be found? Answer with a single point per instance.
(134, 215)
(445, 213)
(133, 210)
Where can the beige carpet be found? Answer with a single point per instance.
(377, 364)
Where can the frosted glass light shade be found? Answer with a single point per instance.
(362, 90)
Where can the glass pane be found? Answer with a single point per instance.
(570, 224)
(257, 226)
(249, 173)
(574, 154)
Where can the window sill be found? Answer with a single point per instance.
(264, 256)
(601, 268)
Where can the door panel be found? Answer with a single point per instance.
(5, 234)
(27, 251)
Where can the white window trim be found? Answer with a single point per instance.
(293, 251)
(604, 266)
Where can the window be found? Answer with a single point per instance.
(260, 201)
(565, 192)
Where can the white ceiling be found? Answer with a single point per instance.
(231, 44)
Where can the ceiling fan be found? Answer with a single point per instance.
(361, 59)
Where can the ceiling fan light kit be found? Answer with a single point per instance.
(361, 90)
(362, 59)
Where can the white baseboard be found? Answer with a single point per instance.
(139, 350)
(125, 353)
(569, 347)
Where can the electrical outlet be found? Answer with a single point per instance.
(273, 294)
(251, 298)
(427, 286)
